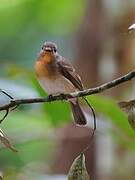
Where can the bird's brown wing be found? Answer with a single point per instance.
(67, 70)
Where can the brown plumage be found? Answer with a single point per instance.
(57, 76)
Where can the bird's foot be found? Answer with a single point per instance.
(50, 97)
(63, 96)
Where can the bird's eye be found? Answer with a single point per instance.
(54, 49)
(42, 47)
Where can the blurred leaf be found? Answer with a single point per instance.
(31, 151)
(59, 112)
(32, 136)
(26, 123)
(10, 174)
(110, 109)
(36, 85)
(6, 141)
(129, 108)
(35, 21)
(18, 12)
(78, 169)
(52, 16)
(61, 14)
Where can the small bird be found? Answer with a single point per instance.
(56, 75)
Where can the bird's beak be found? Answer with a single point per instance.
(48, 49)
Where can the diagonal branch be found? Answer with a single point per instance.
(13, 103)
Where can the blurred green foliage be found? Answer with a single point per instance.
(25, 24)
(110, 109)
(48, 16)
(31, 129)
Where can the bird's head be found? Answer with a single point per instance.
(49, 47)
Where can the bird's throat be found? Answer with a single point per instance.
(45, 66)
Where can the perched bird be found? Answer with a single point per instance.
(57, 76)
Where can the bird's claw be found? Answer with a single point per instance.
(50, 97)
(63, 96)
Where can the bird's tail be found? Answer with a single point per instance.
(78, 114)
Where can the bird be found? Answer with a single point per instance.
(56, 75)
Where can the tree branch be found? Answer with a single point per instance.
(13, 103)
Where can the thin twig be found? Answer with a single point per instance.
(8, 95)
(7, 111)
(94, 127)
(93, 113)
(86, 92)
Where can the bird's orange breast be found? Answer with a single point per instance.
(41, 69)
(44, 66)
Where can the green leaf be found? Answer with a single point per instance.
(49, 16)
(58, 111)
(31, 134)
(110, 109)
